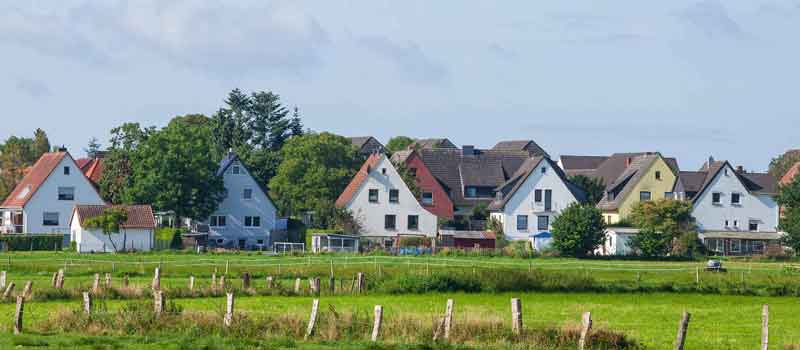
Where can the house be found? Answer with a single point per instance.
(43, 201)
(468, 176)
(366, 145)
(433, 193)
(247, 215)
(435, 143)
(136, 233)
(734, 210)
(528, 202)
(384, 206)
(521, 145)
(467, 239)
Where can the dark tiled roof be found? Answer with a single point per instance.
(691, 181)
(483, 168)
(581, 163)
(438, 143)
(521, 145)
(760, 183)
(623, 184)
(231, 158)
(401, 156)
(358, 179)
(366, 144)
(139, 216)
(513, 184)
(359, 141)
(611, 169)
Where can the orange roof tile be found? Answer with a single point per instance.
(358, 179)
(791, 174)
(33, 179)
(139, 216)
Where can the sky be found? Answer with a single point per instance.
(689, 79)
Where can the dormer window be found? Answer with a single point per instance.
(235, 170)
(66, 170)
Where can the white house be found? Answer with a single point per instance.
(382, 203)
(529, 201)
(135, 234)
(43, 201)
(735, 211)
(247, 216)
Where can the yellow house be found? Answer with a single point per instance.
(646, 177)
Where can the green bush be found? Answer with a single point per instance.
(32, 242)
(171, 235)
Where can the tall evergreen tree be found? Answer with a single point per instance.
(41, 144)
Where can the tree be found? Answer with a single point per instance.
(41, 144)
(593, 186)
(578, 230)
(92, 148)
(780, 165)
(172, 169)
(17, 154)
(314, 170)
(660, 223)
(398, 143)
(117, 176)
(110, 222)
(789, 199)
(408, 178)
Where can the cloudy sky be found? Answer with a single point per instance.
(687, 78)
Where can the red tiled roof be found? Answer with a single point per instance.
(139, 216)
(791, 174)
(82, 162)
(33, 179)
(94, 170)
(358, 179)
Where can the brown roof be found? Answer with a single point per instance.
(432, 144)
(692, 181)
(609, 169)
(511, 186)
(698, 181)
(581, 163)
(358, 179)
(790, 175)
(468, 234)
(33, 179)
(637, 166)
(521, 145)
(139, 216)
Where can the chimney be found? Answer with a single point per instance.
(628, 161)
(62, 148)
(740, 169)
(468, 150)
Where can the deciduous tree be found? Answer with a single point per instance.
(578, 230)
(110, 222)
(594, 187)
(398, 143)
(660, 223)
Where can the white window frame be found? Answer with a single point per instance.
(252, 221)
(427, 202)
(751, 222)
(57, 215)
(408, 224)
(739, 195)
(719, 202)
(214, 221)
(65, 189)
(245, 192)
(538, 222)
(527, 224)
(377, 195)
(738, 247)
(396, 198)
(236, 170)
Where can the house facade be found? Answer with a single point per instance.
(735, 211)
(532, 198)
(433, 195)
(645, 177)
(136, 233)
(246, 216)
(43, 201)
(384, 206)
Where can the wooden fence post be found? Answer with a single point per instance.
(314, 285)
(697, 275)
(516, 316)
(96, 284)
(108, 280)
(9, 289)
(191, 283)
(158, 302)
(18, 314)
(297, 286)
(222, 282)
(2, 279)
(269, 282)
(682, 327)
(376, 325)
(312, 320)
(228, 320)
(87, 303)
(55, 278)
(214, 279)
(125, 281)
(448, 319)
(26, 292)
(586, 327)
(332, 284)
(360, 284)
(764, 326)
(227, 262)
(246, 280)
(157, 279)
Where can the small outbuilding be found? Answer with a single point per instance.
(136, 233)
(334, 243)
(541, 241)
(467, 239)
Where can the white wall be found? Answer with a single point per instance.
(522, 202)
(616, 243)
(711, 217)
(371, 215)
(234, 207)
(94, 240)
(46, 198)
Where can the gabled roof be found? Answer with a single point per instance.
(620, 187)
(139, 216)
(699, 181)
(92, 168)
(485, 168)
(231, 158)
(435, 143)
(608, 169)
(359, 141)
(358, 179)
(362, 144)
(691, 181)
(521, 145)
(791, 174)
(510, 187)
(37, 175)
(572, 164)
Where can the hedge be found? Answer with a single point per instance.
(32, 242)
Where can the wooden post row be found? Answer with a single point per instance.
(60, 279)
(312, 320)
(55, 278)
(222, 282)
(269, 282)
(26, 292)
(9, 289)
(108, 280)
(191, 283)
(2, 279)
(96, 284)
(586, 327)
(682, 328)
(443, 330)
(313, 284)
(376, 325)
(297, 285)
(246, 280)
(125, 281)
(158, 302)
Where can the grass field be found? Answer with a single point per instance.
(718, 321)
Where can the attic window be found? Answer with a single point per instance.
(658, 175)
(248, 193)
(544, 170)
(726, 171)
(716, 198)
(736, 198)
(394, 196)
(383, 171)
(235, 169)
(373, 195)
(66, 170)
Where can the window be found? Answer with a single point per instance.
(413, 171)
(669, 195)
(736, 223)
(252, 221)
(736, 245)
(522, 222)
(383, 171)
(471, 192)
(753, 225)
(427, 198)
(260, 241)
(758, 246)
(66, 193)
(413, 222)
(548, 200)
(217, 221)
(736, 198)
(726, 223)
(537, 196)
(716, 198)
(66, 170)
(394, 196)
(235, 170)
(390, 222)
(220, 241)
(373, 195)
(658, 175)
(50, 219)
(644, 196)
(544, 170)
(543, 223)
(248, 193)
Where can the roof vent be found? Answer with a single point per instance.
(468, 150)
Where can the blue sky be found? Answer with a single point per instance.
(687, 78)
